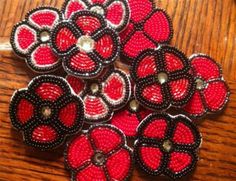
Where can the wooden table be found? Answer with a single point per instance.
(206, 26)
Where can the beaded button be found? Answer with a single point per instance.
(211, 92)
(100, 153)
(162, 79)
(46, 112)
(116, 12)
(102, 96)
(86, 44)
(30, 39)
(147, 28)
(167, 145)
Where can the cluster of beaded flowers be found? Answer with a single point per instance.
(85, 39)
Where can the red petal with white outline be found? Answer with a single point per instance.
(76, 83)
(24, 38)
(205, 68)
(82, 62)
(73, 6)
(44, 134)
(44, 18)
(95, 108)
(137, 43)
(151, 157)
(88, 24)
(183, 134)
(114, 89)
(155, 129)
(68, 114)
(140, 9)
(158, 27)
(116, 13)
(215, 95)
(153, 93)
(173, 62)
(43, 56)
(65, 39)
(119, 164)
(79, 151)
(179, 161)
(24, 111)
(195, 105)
(91, 172)
(106, 139)
(49, 91)
(146, 67)
(179, 88)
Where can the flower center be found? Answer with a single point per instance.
(44, 36)
(99, 159)
(167, 145)
(200, 84)
(46, 112)
(162, 77)
(85, 43)
(94, 88)
(98, 9)
(134, 105)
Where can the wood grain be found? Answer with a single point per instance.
(206, 26)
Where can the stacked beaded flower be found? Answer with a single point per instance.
(102, 96)
(30, 39)
(100, 153)
(46, 112)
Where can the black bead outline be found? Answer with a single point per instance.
(105, 5)
(220, 79)
(27, 55)
(141, 83)
(87, 133)
(171, 123)
(29, 94)
(125, 57)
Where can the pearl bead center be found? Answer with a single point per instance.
(85, 43)
(44, 36)
(98, 10)
(167, 145)
(162, 77)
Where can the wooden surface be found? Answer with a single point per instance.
(206, 26)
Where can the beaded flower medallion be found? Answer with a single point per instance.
(161, 78)
(100, 153)
(102, 96)
(167, 145)
(30, 39)
(116, 12)
(86, 44)
(148, 27)
(46, 112)
(211, 91)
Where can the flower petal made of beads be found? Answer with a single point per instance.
(73, 6)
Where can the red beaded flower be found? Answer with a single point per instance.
(211, 92)
(86, 44)
(167, 145)
(116, 12)
(128, 118)
(102, 96)
(147, 28)
(99, 154)
(161, 78)
(30, 39)
(46, 112)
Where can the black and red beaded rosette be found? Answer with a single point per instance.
(167, 145)
(148, 27)
(116, 12)
(100, 153)
(161, 78)
(211, 92)
(46, 112)
(102, 96)
(86, 44)
(30, 39)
